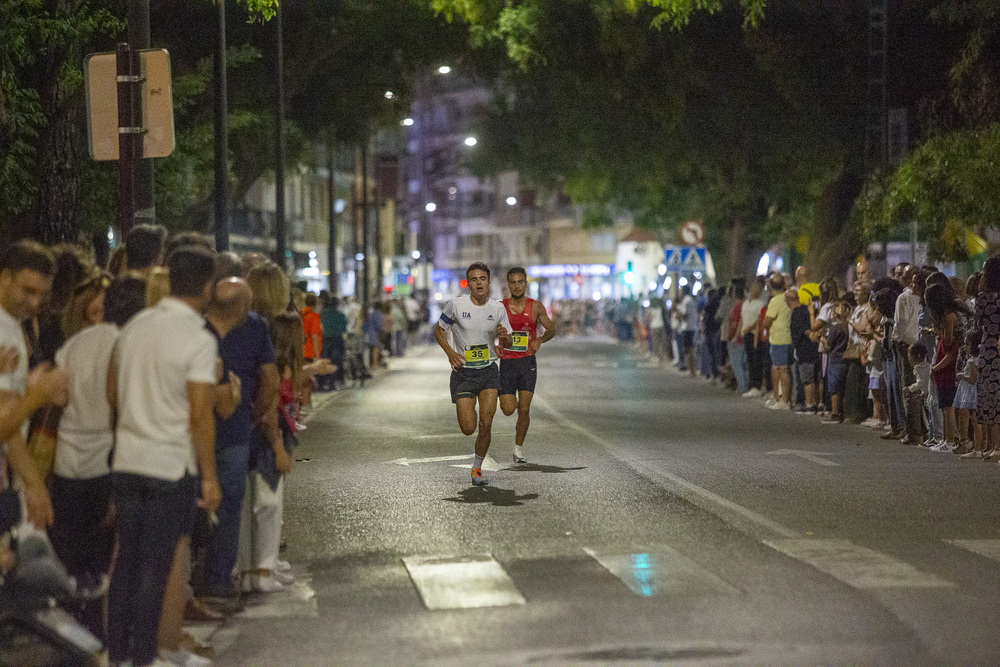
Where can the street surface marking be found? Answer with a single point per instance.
(659, 571)
(488, 463)
(644, 469)
(988, 548)
(855, 565)
(297, 600)
(462, 582)
(443, 435)
(431, 459)
(808, 456)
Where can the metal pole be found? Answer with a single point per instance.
(365, 230)
(139, 38)
(331, 247)
(221, 137)
(280, 249)
(128, 136)
(377, 242)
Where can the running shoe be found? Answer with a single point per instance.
(974, 454)
(778, 405)
(942, 448)
(753, 393)
(477, 477)
(803, 410)
(519, 456)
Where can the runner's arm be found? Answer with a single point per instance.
(441, 336)
(550, 326)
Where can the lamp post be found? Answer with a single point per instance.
(221, 138)
(280, 246)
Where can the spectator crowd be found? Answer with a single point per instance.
(912, 356)
(150, 411)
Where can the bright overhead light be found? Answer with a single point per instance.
(360, 256)
(444, 69)
(662, 269)
(415, 254)
(511, 201)
(471, 141)
(431, 207)
(389, 95)
(407, 122)
(596, 296)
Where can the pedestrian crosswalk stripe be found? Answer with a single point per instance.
(855, 565)
(988, 548)
(660, 571)
(462, 582)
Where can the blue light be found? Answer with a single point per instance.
(642, 570)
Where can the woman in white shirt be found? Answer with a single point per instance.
(83, 532)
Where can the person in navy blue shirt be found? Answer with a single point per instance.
(246, 351)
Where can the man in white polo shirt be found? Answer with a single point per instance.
(162, 377)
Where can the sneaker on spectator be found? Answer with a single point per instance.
(909, 440)
(255, 583)
(183, 658)
(942, 448)
(974, 454)
(753, 393)
(803, 410)
(283, 578)
(964, 447)
(930, 443)
(282, 566)
(778, 405)
(833, 419)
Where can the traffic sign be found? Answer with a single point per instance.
(692, 233)
(694, 260)
(101, 83)
(674, 259)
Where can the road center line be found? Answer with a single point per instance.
(717, 502)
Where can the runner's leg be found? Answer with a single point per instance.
(508, 403)
(487, 408)
(523, 416)
(466, 408)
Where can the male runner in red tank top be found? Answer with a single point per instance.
(518, 371)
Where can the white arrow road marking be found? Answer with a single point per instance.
(432, 459)
(488, 464)
(809, 456)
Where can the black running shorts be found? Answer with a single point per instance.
(469, 382)
(518, 375)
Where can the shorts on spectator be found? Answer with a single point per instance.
(780, 354)
(807, 371)
(946, 396)
(836, 377)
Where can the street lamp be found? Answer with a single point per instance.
(511, 201)
(444, 69)
(415, 254)
(471, 141)
(431, 207)
(389, 95)
(408, 122)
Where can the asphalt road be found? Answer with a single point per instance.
(659, 519)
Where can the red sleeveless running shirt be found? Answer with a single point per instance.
(523, 330)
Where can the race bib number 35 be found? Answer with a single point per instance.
(518, 341)
(477, 356)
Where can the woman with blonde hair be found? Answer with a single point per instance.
(86, 304)
(271, 290)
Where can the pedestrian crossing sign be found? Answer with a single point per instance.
(694, 260)
(674, 258)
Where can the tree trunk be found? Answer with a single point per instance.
(835, 240)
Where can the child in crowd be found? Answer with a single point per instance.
(919, 390)
(806, 352)
(836, 369)
(965, 404)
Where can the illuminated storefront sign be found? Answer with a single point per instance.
(569, 270)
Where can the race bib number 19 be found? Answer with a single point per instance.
(477, 356)
(518, 341)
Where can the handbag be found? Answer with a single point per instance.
(853, 351)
